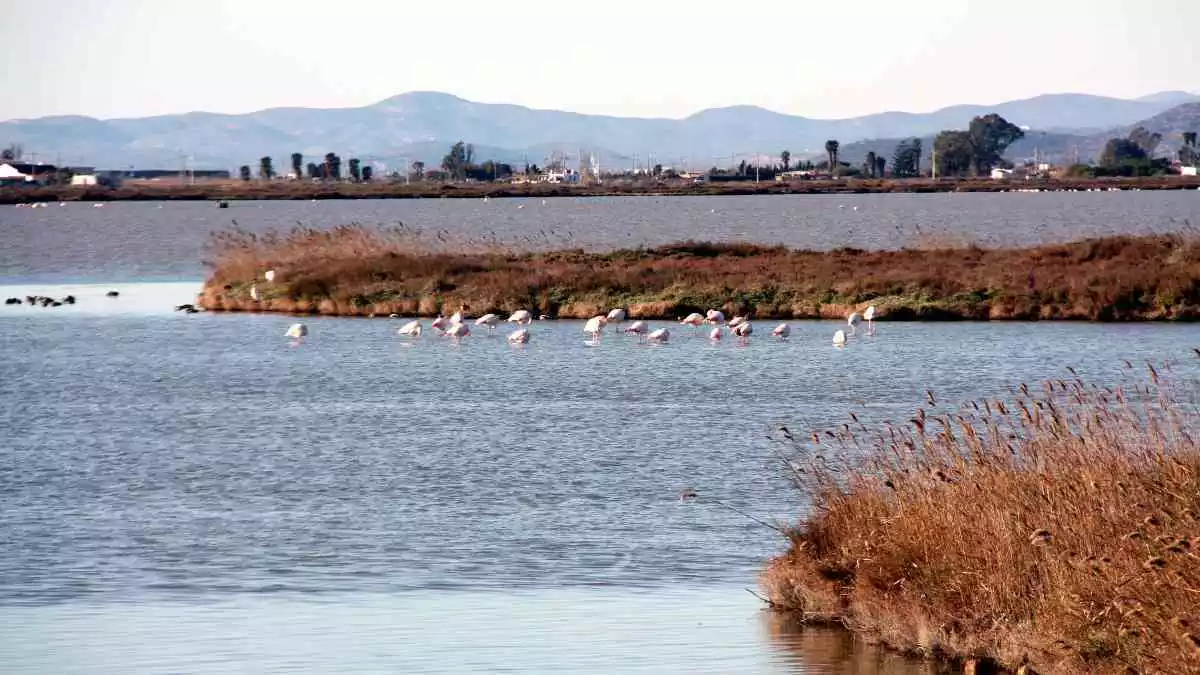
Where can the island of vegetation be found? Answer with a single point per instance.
(360, 271)
(1053, 531)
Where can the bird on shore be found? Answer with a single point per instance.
(297, 331)
(660, 336)
(519, 336)
(594, 326)
(521, 317)
(853, 320)
(782, 331)
(254, 292)
(839, 338)
(869, 315)
(490, 320)
(269, 275)
(410, 329)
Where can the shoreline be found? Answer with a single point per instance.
(302, 190)
(355, 271)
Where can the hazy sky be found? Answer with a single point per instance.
(116, 58)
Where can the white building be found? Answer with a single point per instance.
(11, 173)
(1187, 171)
(83, 179)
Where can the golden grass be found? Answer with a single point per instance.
(1058, 530)
(353, 270)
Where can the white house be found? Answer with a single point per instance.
(11, 173)
(1187, 171)
(83, 179)
(1001, 174)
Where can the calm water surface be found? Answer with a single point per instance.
(199, 494)
(165, 241)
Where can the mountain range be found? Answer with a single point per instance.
(422, 125)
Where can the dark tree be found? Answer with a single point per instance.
(367, 173)
(1145, 140)
(990, 135)
(355, 170)
(869, 165)
(244, 172)
(1189, 139)
(785, 158)
(13, 153)
(314, 171)
(906, 161)
(332, 169)
(880, 166)
(418, 170)
(298, 164)
(457, 160)
(1118, 151)
(955, 153)
(831, 149)
(265, 170)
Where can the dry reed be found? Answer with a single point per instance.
(358, 271)
(1057, 530)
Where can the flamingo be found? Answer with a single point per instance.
(440, 324)
(839, 339)
(521, 316)
(743, 330)
(715, 334)
(519, 336)
(270, 275)
(594, 326)
(736, 321)
(411, 329)
(297, 331)
(617, 316)
(853, 320)
(715, 316)
(457, 317)
(489, 320)
(458, 331)
(694, 319)
(782, 330)
(254, 292)
(638, 328)
(869, 315)
(661, 335)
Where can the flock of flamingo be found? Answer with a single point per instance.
(456, 326)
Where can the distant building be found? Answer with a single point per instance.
(1187, 171)
(1002, 174)
(84, 179)
(21, 172)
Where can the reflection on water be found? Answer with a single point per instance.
(837, 652)
(192, 493)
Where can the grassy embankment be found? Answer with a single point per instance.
(232, 189)
(1059, 531)
(354, 271)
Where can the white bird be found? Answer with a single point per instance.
(693, 319)
(660, 335)
(457, 317)
(638, 328)
(270, 275)
(458, 331)
(715, 334)
(782, 330)
(715, 316)
(869, 315)
(594, 326)
(297, 331)
(853, 320)
(519, 336)
(97, 205)
(489, 320)
(254, 292)
(521, 316)
(839, 339)
(440, 324)
(743, 330)
(411, 329)
(616, 316)
(736, 321)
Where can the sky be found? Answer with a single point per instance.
(134, 58)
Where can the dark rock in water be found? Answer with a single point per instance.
(69, 300)
(46, 302)
(30, 300)
(112, 294)
(55, 303)
(12, 301)
(185, 308)
(222, 205)
(191, 310)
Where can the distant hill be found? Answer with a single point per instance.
(1052, 146)
(422, 125)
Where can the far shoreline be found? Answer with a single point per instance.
(227, 191)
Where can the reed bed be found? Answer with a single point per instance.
(358, 271)
(1057, 530)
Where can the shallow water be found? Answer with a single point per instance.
(198, 493)
(166, 241)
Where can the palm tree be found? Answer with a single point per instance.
(831, 149)
(785, 158)
(265, 170)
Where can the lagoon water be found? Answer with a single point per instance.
(199, 494)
